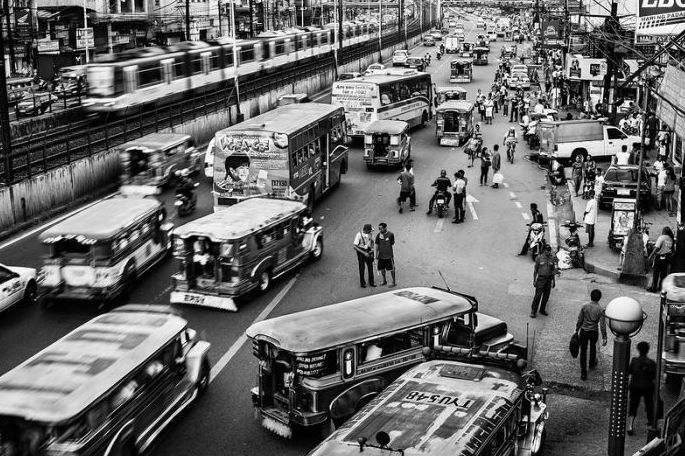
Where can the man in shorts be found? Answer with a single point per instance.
(384, 241)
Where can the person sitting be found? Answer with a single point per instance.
(441, 185)
(373, 352)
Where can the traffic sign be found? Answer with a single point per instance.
(85, 38)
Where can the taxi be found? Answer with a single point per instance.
(17, 285)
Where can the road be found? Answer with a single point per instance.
(477, 257)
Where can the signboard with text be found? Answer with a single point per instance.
(48, 47)
(660, 17)
(85, 38)
(581, 68)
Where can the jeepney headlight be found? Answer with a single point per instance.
(106, 277)
(396, 153)
(50, 276)
(394, 141)
(366, 152)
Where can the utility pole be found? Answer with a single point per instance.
(187, 20)
(10, 41)
(380, 31)
(221, 33)
(340, 28)
(251, 20)
(612, 23)
(5, 115)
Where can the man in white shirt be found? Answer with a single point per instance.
(599, 181)
(660, 185)
(459, 188)
(363, 244)
(589, 218)
(622, 157)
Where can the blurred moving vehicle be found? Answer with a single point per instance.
(17, 285)
(69, 79)
(108, 387)
(374, 67)
(415, 63)
(428, 40)
(352, 74)
(33, 104)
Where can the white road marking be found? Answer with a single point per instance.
(525, 216)
(50, 223)
(552, 233)
(166, 290)
(505, 185)
(470, 200)
(518, 204)
(512, 195)
(439, 225)
(226, 357)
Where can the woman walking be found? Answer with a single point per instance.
(661, 255)
(489, 104)
(669, 192)
(642, 375)
(485, 162)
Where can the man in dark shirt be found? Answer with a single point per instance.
(386, 262)
(543, 280)
(537, 218)
(441, 184)
(642, 375)
(590, 322)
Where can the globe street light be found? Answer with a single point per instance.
(625, 318)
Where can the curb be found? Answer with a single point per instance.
(594, 268)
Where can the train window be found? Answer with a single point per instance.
(196, 64)
(246, 55)
(179, 68)
(214, 61)
(280, 48)
(205, 62)
(149, 74)
(228, 57)
(323, 38)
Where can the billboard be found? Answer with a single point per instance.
(579, 68)
(552, 29)
(660, 17)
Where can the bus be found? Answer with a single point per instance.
(296, 151)
(397, 94)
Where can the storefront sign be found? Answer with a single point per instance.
(48, 47)
(660, 17)
(552, 29)
(585, 69)
(673, 89)
(85, 38)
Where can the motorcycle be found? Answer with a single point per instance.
(536, 239)
(573, 245)
(534, 411)
(441, 204)
(185, 205)
(438, 55)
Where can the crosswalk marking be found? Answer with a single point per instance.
(439, 225)
(518, 205)
(525, 216)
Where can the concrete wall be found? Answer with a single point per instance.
(43, 195)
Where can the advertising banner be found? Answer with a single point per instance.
(552, 29)
(250, 164)
(85, 38)
(579, 68)
(660, 17)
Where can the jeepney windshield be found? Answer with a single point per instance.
(19, 437)
(76, 248)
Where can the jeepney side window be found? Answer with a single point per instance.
(293, 157)
(499, 438)
(330, 363)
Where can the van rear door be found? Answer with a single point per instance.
(547, 134)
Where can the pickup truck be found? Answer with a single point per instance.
(567, 139)
(451, 44)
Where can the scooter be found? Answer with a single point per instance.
(438, 55)
(573, 245)
(536, 239)
(441, 204)
(184, 205)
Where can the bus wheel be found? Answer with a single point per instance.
(424, 119)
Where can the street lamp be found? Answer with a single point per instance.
(625, 318)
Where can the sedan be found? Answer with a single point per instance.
(17, 285)
(416, 63)
(620, 181)
(374, 67)
(35, 104)
(436, 34)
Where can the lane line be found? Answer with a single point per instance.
(512, 195)
(518, 204)
(439, 225)
(166, 290)
(525, 216)
(552, 233)
(505, 185)
(237, 345)
(52, 222)
(473, 211)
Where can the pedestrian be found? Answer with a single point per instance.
(643, 374)
(513, 115)
(652, 130)
(406, 181)
(670, 200)
(481, 108)
(485, 162)
(543, 280)
(577, 173)
(488, 109)
(590, 173)
(386, 260)
(661, 256)
(590, 218)
(496, 163)
(622, 157)
(459, 188)
(412, 195)
(660, 186)
(363, 245)
(599, 181)
(495, 99)
(590, 322)
(505, 101)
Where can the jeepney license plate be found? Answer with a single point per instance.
(198, 299)
(623, 191)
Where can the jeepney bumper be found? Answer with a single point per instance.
(203, 300)
(383, 161)
(673, 363)
(282, 422)
(450, 140)
(64, 292)
(140, 190)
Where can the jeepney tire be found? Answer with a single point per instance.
(369, 166)
(343, 167)
(424, 119)
(129, 281)
(264, 281)
(203, 378)
(30, 293)
(317, 252)
(576, 153)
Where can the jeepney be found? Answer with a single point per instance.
(454, 122)
(673, 317)
(148, 164)
(320, 366)
(387, 143)
(452, 93)
(467, 48)
(241, 248)
(461, 70)
(480, 56)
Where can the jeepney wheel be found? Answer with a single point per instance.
(264, 281)
(424, 119)
(30, 293)
(317, 251)
(203, 379)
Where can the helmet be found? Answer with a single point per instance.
(185, 172)
(443, 173)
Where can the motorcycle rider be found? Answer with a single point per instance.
(185, 186)
(441, 184)
(536, 218)
(427, 59)
(510, 140)
(442, 48)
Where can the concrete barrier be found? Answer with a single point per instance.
(43, 195)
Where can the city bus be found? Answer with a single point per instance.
(296, 151)
(397, 94)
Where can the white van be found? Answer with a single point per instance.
(209, 159)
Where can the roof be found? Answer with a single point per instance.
(378, 77)
(461, 61)
(103, 220)
(451, 89)
(392, 127)
(337, 324)
(239, 220)
(455, 105)
(436, 408)
(286, 119)
(156, 141)
(58, 383)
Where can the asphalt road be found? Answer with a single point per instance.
(478, 258)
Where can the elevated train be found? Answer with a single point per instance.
(139, 77)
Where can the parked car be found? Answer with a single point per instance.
(428, 40)
(17, 285)
(620, 181)
(34, 104)
(399, 57)
(416, 63)
(374, 67)
(350, 75)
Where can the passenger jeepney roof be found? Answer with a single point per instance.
(462, 61)
(103, 220)
(436, 408)
(392, 127)
(60, 382)
(239, 220)
(455, 105)
(156, 141)
(378, 77)
(286, 119)
(337, 324)
(451, 89)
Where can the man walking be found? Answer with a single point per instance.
(496, 163)
(543, 280)
(406, 181)
(459, 196)
(642, 375)
(589, 218)
(363, 244)
(386, 262)
(485, 162)
(590, 321)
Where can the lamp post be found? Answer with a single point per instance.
(625, 318)
(653, 431)
(380, 31)
(85, 29)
